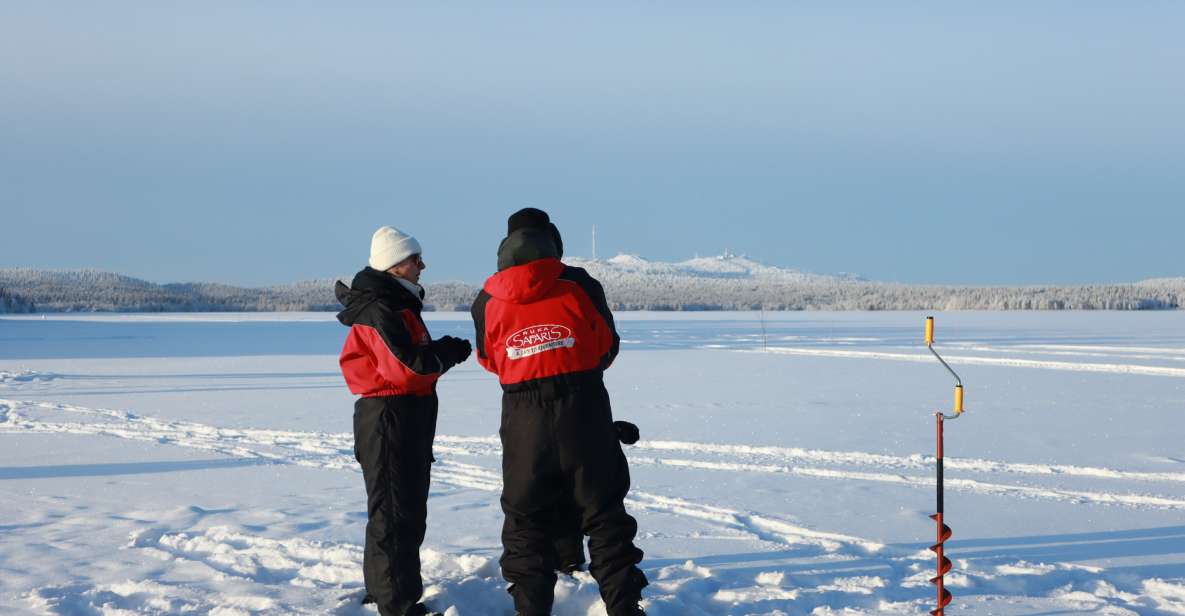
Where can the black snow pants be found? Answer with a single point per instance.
(568, 539)
(559, 450)
(393, 443)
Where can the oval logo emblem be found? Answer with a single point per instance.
(537, 339)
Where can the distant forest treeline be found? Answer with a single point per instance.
(28, 290)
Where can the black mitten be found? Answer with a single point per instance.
(627, 432)
(452, 351)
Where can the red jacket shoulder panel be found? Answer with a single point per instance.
(559, 332)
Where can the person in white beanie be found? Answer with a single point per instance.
(392, 363)
(390, 247)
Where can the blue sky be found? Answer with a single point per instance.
(257, 142)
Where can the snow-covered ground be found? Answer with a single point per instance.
(172, 464)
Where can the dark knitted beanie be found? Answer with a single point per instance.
(528, 218)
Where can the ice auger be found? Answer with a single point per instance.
(944, 565)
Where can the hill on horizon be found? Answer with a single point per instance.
(632, 282)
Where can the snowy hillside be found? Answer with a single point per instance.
(727, 266)
(732, 282)
(1164, 283)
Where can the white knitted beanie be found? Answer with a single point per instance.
(390, 246)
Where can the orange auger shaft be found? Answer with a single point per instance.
(943, 563)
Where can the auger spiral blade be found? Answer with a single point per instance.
(943, 600)
(943, 565)
(943, 568)
(944, 531)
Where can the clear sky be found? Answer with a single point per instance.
(263, 142)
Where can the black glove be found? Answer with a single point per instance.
(452, 351)
(627, 432)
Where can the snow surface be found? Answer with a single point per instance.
(202, 464)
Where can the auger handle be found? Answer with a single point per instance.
(958, 409)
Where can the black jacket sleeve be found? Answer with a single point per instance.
(596, 293)
(418, 358)
(478, 311)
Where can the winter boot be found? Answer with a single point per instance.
(570, 569)
(420, 609)
(570, 551)
(633, 610)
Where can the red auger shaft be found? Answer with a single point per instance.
(944, 533)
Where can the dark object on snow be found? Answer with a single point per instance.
(627, 432)
(572, 568)
(420, 609)
(633, 612)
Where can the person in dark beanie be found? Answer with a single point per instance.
(392, 363)
(546, 330)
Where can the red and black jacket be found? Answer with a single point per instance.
(388, 351)
(544, 322)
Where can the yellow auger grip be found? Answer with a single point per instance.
(958, 399)
(929, 331)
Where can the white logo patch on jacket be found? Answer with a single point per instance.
(538, 339)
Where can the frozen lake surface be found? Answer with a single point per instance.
(164, 464)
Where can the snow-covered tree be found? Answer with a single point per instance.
(11, 302)
(631, 283)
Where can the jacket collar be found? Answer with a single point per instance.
(522, 284)
(371, 285)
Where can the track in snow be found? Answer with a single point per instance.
(979, 360)
(843, 570)
(335, 451)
